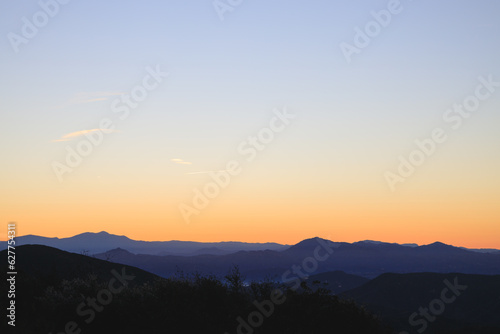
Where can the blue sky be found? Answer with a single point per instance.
(226, 77)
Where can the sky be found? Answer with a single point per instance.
(253, 120)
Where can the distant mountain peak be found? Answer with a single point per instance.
(310, 241)
(439, 244)
(310, 244)
(315, 239)
(101, 235)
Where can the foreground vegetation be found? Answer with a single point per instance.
(185, 304)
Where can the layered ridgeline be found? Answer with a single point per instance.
(281, 262)
(58, 291)
(92, 243)
(314, 256)
(62, 292)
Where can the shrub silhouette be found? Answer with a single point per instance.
(191, 304)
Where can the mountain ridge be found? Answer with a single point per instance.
(366, 260)
(99, 242)
(398, 297)
(93, 243)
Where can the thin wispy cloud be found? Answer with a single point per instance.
(180, 161)
(76, 134)
(89, 97)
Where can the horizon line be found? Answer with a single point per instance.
(406, 244)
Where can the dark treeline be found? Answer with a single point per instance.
(184, 304)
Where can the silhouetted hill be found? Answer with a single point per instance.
(54, 276)
(472, 301)
(52, 264)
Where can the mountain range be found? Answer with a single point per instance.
(367, 259)
(436, 303)
(92, 243)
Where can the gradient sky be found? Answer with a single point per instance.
(323, 175)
